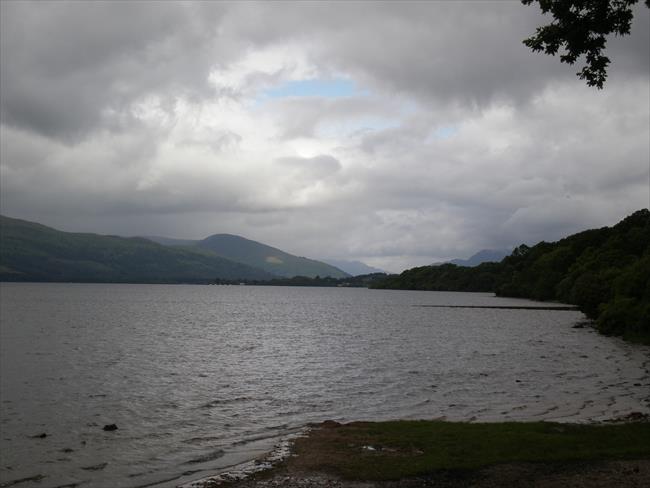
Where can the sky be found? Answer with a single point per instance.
(398, 134)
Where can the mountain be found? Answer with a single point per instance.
(268, 258)
(258, 255)
(605, 272)
(483, 256)
(353, 268)
(34, 252)
(168, 241)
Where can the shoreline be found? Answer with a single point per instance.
(396, 454)
(595, 474)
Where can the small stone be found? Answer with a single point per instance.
(110, 427)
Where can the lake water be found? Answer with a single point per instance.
(200, 378)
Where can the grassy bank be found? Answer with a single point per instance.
(404, 449)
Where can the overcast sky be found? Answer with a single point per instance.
(398, 134)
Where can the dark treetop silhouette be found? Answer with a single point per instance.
(580, 27)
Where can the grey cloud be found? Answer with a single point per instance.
(468, 53)
(70, 67)
(218, 141)
(465, 52)
(317, 167)
(556, 219)
(67, 66)
(64, 62)
(304, 116)
(532, 153)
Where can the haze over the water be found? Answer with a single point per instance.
(398, 134)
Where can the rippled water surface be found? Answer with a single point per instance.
(198, 378)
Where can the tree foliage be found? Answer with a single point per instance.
(580, 28)
(359, 281)
(605, 272)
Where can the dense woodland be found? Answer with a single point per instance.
(360, 281)
(605, 272)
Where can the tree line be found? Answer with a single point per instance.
(605, 272)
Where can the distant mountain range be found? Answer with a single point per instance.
(353, 268)
(257, 255)
(483, 256)
(34, 252)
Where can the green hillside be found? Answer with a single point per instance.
(267, 258)
(605, 272)
(34, 252)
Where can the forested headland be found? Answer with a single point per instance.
(605, 272)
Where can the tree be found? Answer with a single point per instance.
(581, 27)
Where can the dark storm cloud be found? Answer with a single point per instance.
(71, 67)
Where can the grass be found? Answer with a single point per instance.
(403, 449)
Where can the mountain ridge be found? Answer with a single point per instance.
(268, 258)
(30, 251)
(256, 254)
(348, 267)
(353, 267)
(482, 256)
